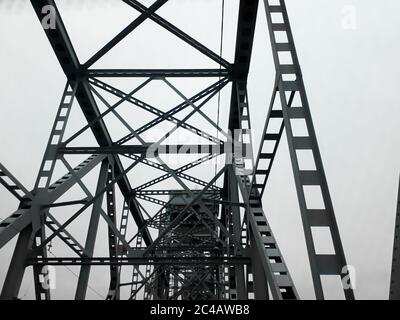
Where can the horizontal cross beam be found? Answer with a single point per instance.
(149, 150)
(174, 192)
(139, 261)
(158, 73)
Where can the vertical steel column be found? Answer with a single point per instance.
(114, 290)
(43, 182)
(136, 269)
(16, 270)
(92, 232)
(241, 293)
(40, 273)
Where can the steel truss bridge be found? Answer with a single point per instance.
(209, 242)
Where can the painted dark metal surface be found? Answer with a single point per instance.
(211, 243)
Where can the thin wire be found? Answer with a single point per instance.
(70, 270)
(220, 69)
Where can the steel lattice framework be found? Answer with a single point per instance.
(212, 242)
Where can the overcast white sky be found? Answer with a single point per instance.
(351, 74)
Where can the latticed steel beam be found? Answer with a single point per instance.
(107, 261)
(313, 219)
(148, 149)
(158, 73)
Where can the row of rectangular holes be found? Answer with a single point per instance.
(322, 237)
(47, 166)
(250, 279)
(274, 126)
(306, 161)
(285, 57)
(245, 138)
(60, 124)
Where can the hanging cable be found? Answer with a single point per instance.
(77, 276)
